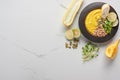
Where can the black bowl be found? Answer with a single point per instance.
(84, 13)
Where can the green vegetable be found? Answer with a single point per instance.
(107, 26)
(89, 51)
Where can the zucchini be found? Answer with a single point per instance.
(112, 17)
(71, 12)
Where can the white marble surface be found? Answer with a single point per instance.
(32, 44)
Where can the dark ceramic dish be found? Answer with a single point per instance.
(84, 13)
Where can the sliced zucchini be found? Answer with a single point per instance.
(115, 23)
(76, 32)
(69, 35)
(71, 12)
(112, 17)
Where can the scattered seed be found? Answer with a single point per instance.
(72, 44)
(66, 45)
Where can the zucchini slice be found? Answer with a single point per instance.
(112, 17)
(71, 12)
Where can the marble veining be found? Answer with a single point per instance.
(32, 49)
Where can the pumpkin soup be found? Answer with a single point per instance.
(91, 21)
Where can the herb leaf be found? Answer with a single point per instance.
(89, 51)
(107, 26)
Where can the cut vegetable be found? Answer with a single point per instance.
(71, 12)
(69, 34)
(112, 17)
(76, 32)
(115, 23)
(105, 10)
(112, 49)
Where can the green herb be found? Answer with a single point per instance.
(107, 26)
(89, 51)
